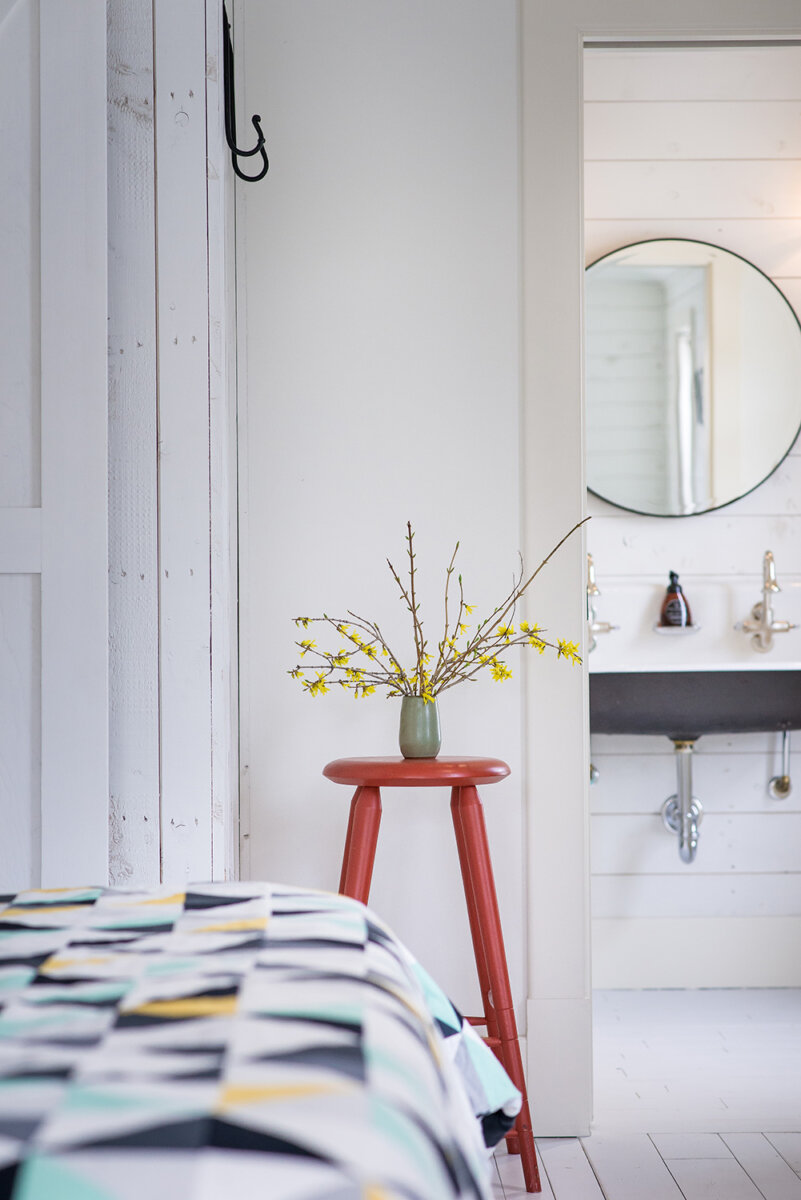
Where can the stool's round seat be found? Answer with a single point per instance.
(416, 772)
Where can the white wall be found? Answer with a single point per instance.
(699, 144)
(381, 282)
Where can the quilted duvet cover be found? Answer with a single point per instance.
(234, 1040)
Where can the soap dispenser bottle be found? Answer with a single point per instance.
(675, 609)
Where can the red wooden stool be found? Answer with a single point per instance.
(462, 775)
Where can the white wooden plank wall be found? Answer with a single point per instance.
(628, 322)
(172, 477)
(706, 144)
(133, 462)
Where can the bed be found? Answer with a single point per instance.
(237, 1039)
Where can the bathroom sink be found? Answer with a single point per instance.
(687, 704)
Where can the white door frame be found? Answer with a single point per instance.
(558, 870)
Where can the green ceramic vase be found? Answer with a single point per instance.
(419, 728)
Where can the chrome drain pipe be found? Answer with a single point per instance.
(682, 812)
(781, 786)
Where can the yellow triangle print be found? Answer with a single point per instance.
(235, 1095)
(234, 926)
(190, 1006)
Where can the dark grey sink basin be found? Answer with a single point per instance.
(687, 704)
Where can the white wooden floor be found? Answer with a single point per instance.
(697, 1097)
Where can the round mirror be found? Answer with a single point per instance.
(693, 360)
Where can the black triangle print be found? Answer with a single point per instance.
(8, 1176)
(202, 900)
(226, 1136)
(344, 1060)
(177, 1135)
(140, 930)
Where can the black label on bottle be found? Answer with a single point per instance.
(674, 612)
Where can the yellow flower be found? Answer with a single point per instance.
(344, 630)
(369, 650)
(355, 637)
(463, 628)
(500, 671)
(468, 608)
(304, 621)
(568, 650)
(428, 698)
(537, 643)
(296, 673)
(367, 689)
(354, 673)
(524, 627)
(316, 687)
(305, 645)
(340, 659)
(505, 631)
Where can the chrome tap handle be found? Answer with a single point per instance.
(769, 583)
(592, 586)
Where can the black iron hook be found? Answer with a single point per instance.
(230, 112)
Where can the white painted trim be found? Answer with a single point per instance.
(558, 1046)
(223, 468)
(237, 16)
(74, 455)
(558, 860)
(183, 400)
(20, 541)
(557, 747)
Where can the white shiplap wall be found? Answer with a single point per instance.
(706, 144)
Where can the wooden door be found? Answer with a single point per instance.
(53, 541)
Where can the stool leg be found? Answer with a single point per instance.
(360, 843)
(475, 928)
(465, 803)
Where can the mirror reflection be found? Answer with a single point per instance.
(693, 361)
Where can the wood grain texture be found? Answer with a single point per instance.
(773, 1176)
(697, 952)
(133, 491)
(568, 1169)
(697, 894)
(629, 1166)
(734, 129)
(223, 468)
(727, 73)
(183, 416)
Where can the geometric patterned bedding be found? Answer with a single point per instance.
(234, 1040)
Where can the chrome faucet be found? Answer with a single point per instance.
(761, 624)
(594, 626)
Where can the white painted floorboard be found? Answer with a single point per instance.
(697, 1097)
